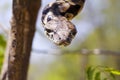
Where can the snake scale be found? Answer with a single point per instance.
(56, 18)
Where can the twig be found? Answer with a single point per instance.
(48, 52)
(81, 52)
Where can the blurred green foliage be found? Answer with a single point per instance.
(101, 73)
(104, 36)
(65, 70)
(2, 49)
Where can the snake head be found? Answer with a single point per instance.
(60, 30)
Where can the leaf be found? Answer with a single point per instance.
(97, 76)
(90, 73)
(105, 79)
(112, 76)
(113, 71)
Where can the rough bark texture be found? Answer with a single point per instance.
(21, 36)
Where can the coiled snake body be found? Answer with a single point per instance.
(56, 18)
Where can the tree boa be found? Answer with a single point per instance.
(56, 18)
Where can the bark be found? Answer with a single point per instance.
(21, 37)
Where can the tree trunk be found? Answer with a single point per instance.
(21, 37)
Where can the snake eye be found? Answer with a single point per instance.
(48, 30)
(73, 33)
(49, 18)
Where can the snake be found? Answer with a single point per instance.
(56, 19)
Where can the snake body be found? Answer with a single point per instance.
(56, 18)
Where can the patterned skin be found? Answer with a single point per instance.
(56, 18)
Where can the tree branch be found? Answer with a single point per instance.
(81, 52)
(21, 36)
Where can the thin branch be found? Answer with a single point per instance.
(47, 52)
(81, 52)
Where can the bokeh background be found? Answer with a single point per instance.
(98, 27)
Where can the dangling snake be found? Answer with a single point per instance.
(56, 18)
